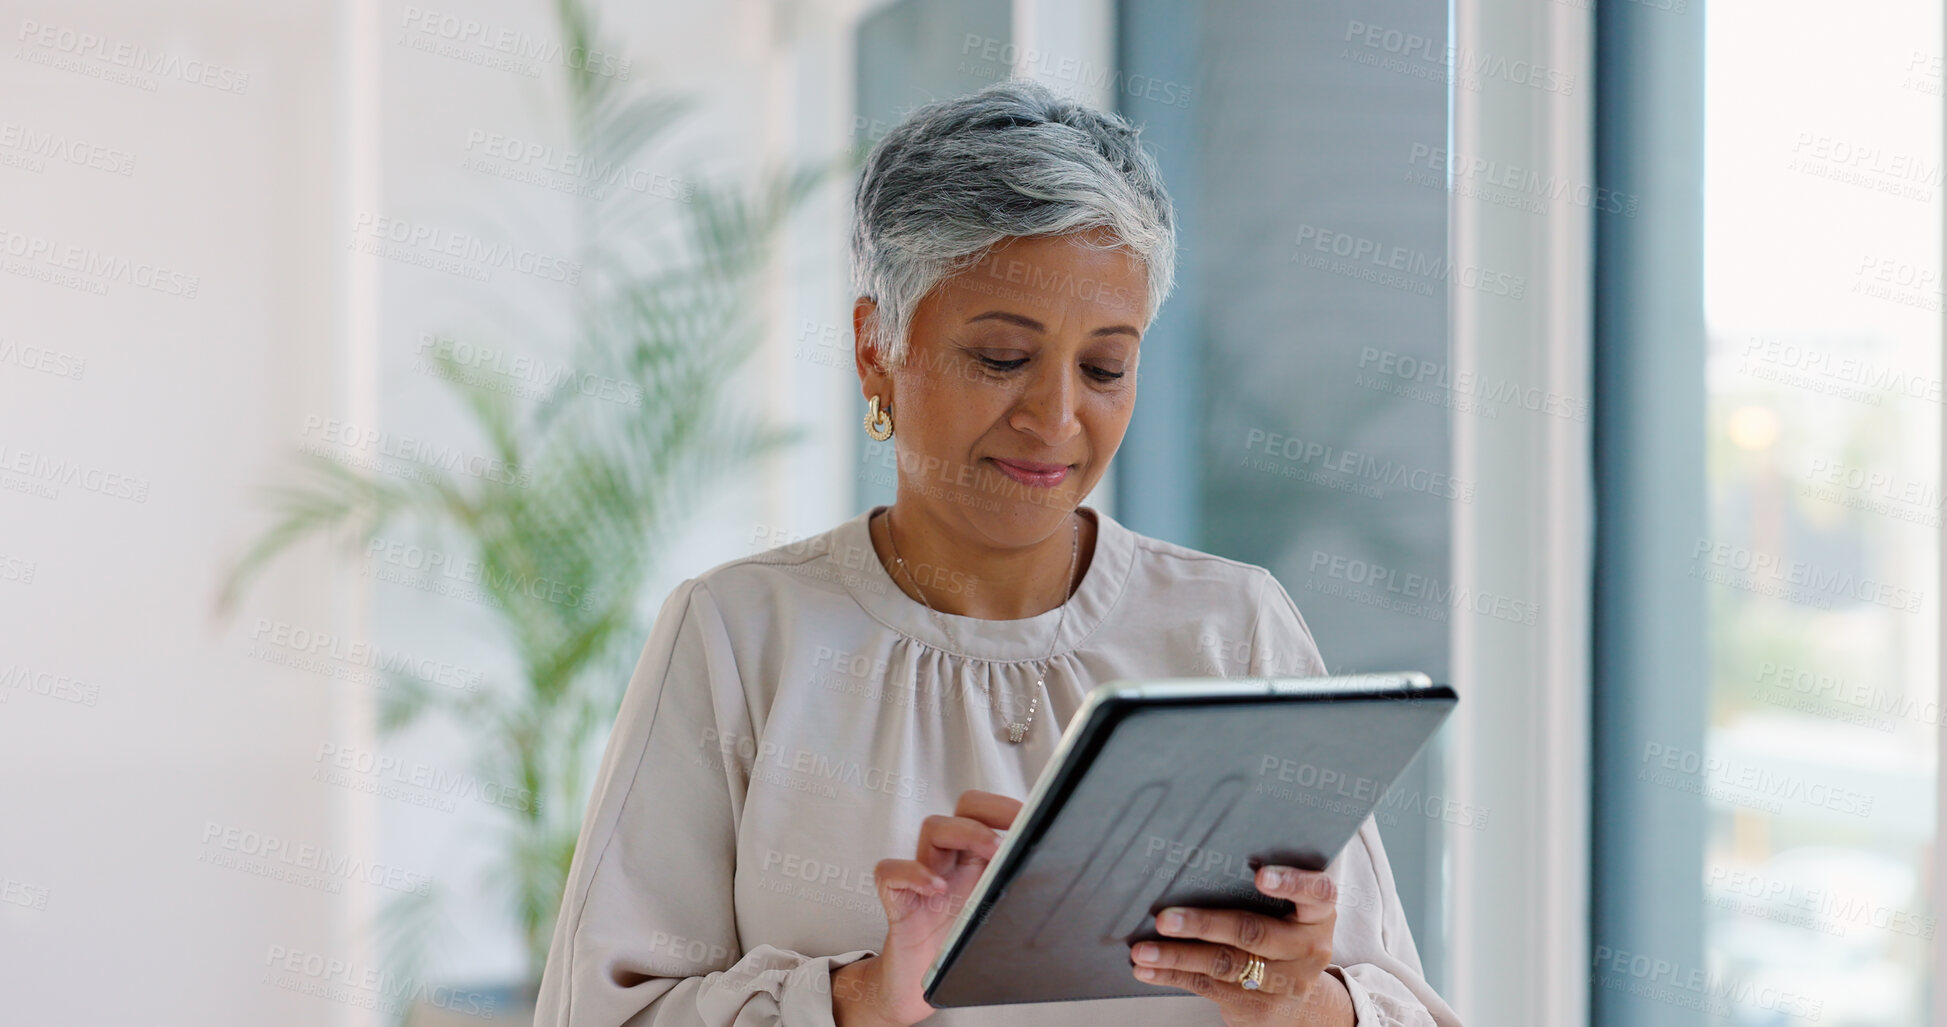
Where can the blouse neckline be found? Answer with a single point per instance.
(1020, 640)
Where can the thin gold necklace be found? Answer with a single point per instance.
(1016, 732)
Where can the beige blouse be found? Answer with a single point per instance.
(795, 716)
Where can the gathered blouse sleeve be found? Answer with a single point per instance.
(647, 932)
(1372, 946)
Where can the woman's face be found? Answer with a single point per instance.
(1018, 385)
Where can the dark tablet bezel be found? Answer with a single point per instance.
(1107, 706)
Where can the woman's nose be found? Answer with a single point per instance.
(1047, 409)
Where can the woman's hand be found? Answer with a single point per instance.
(921, 896)
(1217, 944)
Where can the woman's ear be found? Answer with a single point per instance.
(874, 377)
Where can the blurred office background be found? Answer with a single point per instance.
(1585, 353)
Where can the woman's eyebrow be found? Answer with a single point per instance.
(1030, 323)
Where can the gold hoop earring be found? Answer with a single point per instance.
(878, 423)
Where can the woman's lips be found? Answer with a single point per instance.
(1038, 475)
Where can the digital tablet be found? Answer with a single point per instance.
(1173, 793)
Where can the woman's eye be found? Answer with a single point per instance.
(1100, 374)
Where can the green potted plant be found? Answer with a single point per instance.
(593, 487)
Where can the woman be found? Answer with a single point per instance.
(803, 718)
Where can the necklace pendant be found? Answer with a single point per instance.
(1016, 732)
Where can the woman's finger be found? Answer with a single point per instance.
(1239, 1005)
(1284, 998)
(905, 885)
(1220, 962)
(1200, 984)
(1269, 937)
(908, 874)
(1312, 891)
(942, 839)
(1260, 1006)
(990, 808)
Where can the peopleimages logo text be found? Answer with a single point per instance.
(1770, 567)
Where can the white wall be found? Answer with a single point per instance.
(108, 907)
(176, 406)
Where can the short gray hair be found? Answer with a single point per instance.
(959, 176)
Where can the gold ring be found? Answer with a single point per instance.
(1253, 976)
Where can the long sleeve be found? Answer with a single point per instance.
(1281, 642)
(647, 932)
(1372, 946)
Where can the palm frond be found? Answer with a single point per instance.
(326, 497)
(408, 927)
(567, 537)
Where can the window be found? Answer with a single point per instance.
(1770, 454)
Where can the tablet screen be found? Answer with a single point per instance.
(1173, 793)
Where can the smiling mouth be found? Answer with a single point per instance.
(1037, 475)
